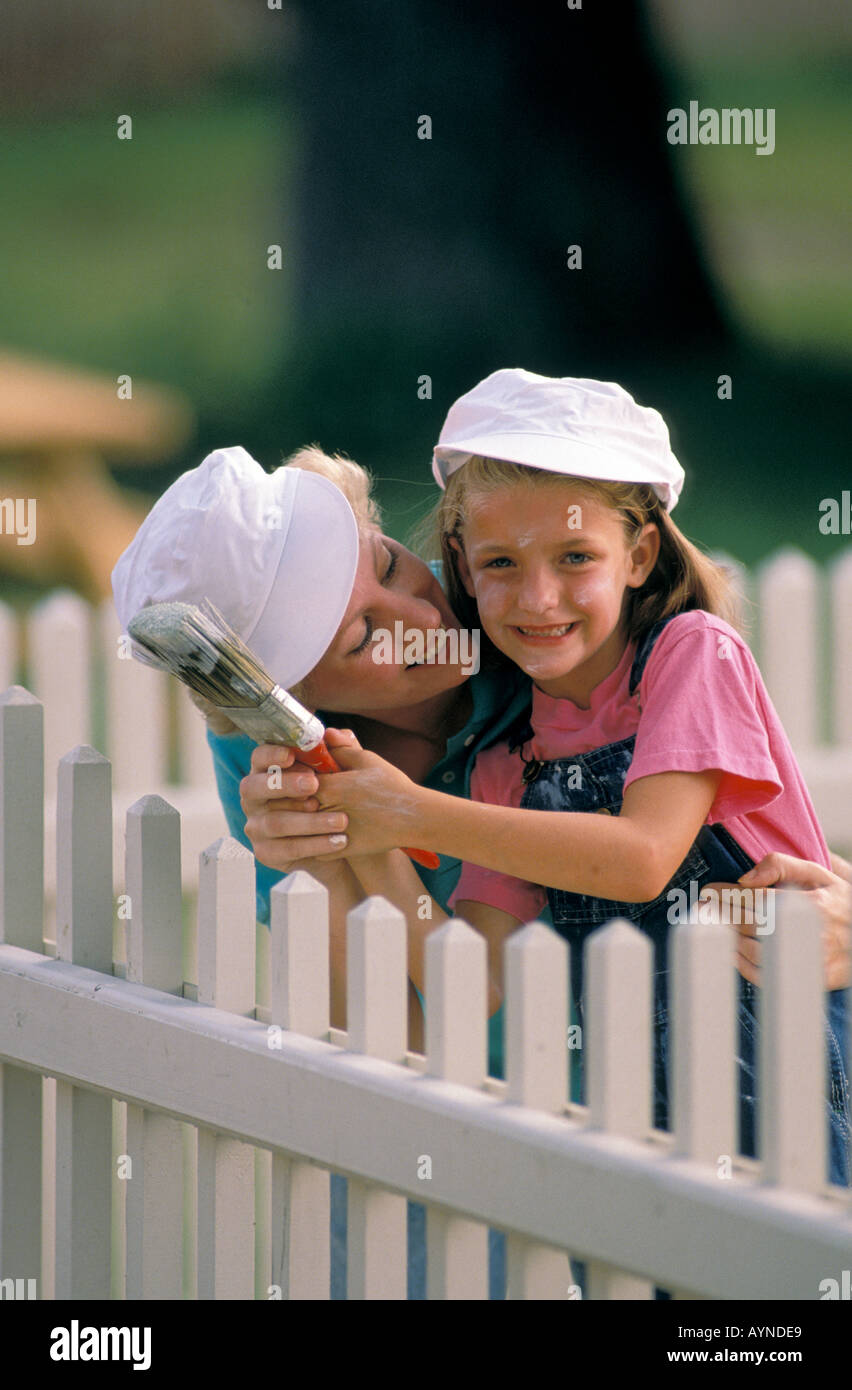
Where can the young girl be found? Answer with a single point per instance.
(649, 721)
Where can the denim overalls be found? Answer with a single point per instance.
(595, 782)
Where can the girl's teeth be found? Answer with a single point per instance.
(546, 631)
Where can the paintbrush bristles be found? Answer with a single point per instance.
(198, 646)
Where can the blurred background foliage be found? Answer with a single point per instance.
(404, 257)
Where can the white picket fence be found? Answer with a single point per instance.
(170, 1134)
(149, 1148)
(68, 654)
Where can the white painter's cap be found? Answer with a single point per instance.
(566, 424)
(275, 552)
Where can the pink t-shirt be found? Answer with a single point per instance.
(704, 705)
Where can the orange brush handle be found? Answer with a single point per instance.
(321, 760)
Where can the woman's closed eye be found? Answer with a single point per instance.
(368, 622)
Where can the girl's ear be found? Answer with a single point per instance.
(643, 555)
(462, 566)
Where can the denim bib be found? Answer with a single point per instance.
(594, 782)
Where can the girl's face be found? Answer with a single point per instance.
(549, 567)
(392, 586)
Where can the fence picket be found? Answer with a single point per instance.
(618, 965)
(21, 922)
(137, 709)
(83, 936)
(59, 660)
(154, 1191)
(840, 588)
(792, 1136)
(789, 594)
(703, 1023)
(377, 1024)
(226, 979)
(299, 1001)
(536, 970)
(456, 1050)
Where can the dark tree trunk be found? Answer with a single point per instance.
(448, 256)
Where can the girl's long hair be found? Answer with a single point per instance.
(683, 578)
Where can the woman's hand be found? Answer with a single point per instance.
(380, 804)
(832, 893)
(283, 821)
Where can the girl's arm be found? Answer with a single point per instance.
(630, 857)
(393, 877)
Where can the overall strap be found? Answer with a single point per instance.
(643, 651)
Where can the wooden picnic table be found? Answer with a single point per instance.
(59, 427)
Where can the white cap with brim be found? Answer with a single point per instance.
(570, 425)
(275, 552)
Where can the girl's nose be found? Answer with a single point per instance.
(538, 593)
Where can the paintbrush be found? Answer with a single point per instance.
(196, 644)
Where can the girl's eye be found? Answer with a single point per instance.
(499, 562)
(389, 572)
(577, 555)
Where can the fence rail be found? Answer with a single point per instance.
(159, 1145)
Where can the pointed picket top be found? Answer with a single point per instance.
(299, 994)
(19, 695)
(456, 1003)
(224, 849)
(377, 980)
(83, 753)
(536, 987)
(152, 804)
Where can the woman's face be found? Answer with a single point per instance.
(394, 593)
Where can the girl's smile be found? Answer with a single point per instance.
(549, 566)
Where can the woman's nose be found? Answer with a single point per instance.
(414, 612)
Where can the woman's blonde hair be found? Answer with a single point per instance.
(356, 484)
(683, 577)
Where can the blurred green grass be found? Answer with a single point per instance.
(149, 256)
(784, 219)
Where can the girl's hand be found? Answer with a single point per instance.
(832, 894)
(283, 822)
(380, 803)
